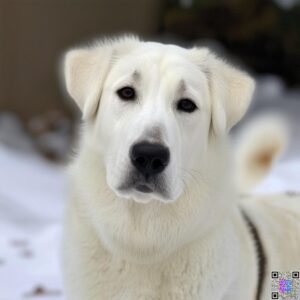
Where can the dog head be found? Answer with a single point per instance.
(150, 110)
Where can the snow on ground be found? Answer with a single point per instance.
(31, 208)
(32, 194)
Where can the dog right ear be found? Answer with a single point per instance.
(85, 71)
(230, 89)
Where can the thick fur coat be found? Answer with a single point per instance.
(185, 238)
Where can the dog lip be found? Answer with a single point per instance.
(143, 188)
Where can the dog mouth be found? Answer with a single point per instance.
(144, 188)
(139, 186)
(135, 183)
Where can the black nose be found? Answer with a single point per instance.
(149, 158)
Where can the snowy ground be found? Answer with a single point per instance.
(32, 194)
(31, 207)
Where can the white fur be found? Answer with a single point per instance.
(259, 145)
(189, 242)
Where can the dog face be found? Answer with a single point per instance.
(153, 112)
(150, 110)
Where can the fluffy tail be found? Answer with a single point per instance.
(259, 146)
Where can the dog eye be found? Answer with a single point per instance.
(127, 93)
(186, 105)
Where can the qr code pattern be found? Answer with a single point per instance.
(285, 285)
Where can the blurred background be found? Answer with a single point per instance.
(37, 120)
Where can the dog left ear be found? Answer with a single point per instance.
(85, 70)
(231, 90)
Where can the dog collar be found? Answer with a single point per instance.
(260, 254)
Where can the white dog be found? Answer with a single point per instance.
(153, 210)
